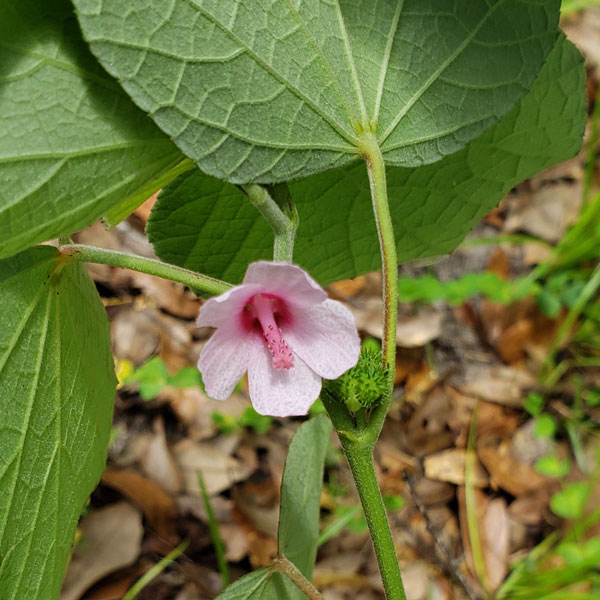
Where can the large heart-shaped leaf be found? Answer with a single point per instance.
(205, 224)
(72, 144)
(57, 382)
(269, 90)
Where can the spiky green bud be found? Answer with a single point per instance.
(362, 386)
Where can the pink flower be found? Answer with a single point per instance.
(279, 326)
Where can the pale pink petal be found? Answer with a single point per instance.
(224, 359)
(224, 308)
(281, 392)
(289, 282)
(325, 338)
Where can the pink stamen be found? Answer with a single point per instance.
(282, 355)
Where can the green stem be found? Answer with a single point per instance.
(150, 266)
(360, 459)
(389, 265)
(283, 226)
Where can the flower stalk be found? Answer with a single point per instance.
(283, 221)
(150, 266)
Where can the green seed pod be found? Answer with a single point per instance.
(362, 386)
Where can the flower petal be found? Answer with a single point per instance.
(289, 282)
(224, 308)
(325, 338)
(281, 392)
(224, 359)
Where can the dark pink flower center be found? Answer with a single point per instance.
(265, 311)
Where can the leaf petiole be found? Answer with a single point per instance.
(196, 281)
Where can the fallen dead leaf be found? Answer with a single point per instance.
(546, 212)
(194, 408)
(219, 469)
(158, 463)
(348, 287)
(506, 471)
(412, 330)
(135, 334)
(493, 526)
(449, 465)
(496, 534)
(112, 539)
(158, 507)
(496, 383)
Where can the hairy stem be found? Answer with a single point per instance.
(389, 265)
(358, 439)
(289, 569)
(284, 226)
(150, 266)
(360, 459)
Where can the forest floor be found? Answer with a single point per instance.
(494, 428)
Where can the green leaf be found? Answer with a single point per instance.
(262, 585)
(298, 517)
(204, 224)
(549, 303)
(57, 381)
(301, 493)
(534, 403)
(270, 91)
(552, 466)
(72, 144)
(570, 501)
(581, 552)
(545, 425)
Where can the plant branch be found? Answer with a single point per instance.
(289, 569)
(196, 281)
(284, 226)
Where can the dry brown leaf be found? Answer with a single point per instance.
(506, 471)
(493, 526)
(432, 492)
(235, 540)
(219, 469)
(158, 463)
(495, 529)
(491, 417)
(498, 264)
(168, 295)
(427, 430)
(529, 508)
(412, 330)
(449, 465)
(194, 408)
(114, 590)
(496, 383)
(348, 287)
(158, 507)
(111, 540)
(135, 334)
(545, 213)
